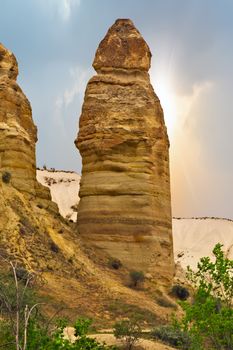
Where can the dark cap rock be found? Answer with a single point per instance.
(123, 47)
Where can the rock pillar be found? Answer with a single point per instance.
(18, 134)
(125, 205)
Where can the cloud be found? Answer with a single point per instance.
(190, 175)
(178, 106)
(68, 103)
(66, 6)
(186, 103)
(62, 8)
(79, 77)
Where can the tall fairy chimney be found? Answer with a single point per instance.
(125, 204)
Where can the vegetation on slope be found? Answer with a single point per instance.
(208, 319)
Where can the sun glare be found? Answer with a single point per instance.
(167, 98)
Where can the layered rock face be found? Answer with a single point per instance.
(18, 134)
(125, 205)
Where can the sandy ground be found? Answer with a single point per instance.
(109, 339)
(193, 238)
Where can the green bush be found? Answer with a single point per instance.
(82, 326)
(164, 302)
(136, 277)
(54, 247)
(8, 302)
(15, 301)
(7, 340)
(172, 336)
(56, 340)
(180, 292)
(128, 331)
(6, 177)
(22, 326)
(115, 263)
(209, 318)
(40, 338)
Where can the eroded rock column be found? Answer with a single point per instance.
(125, 205)
(18, 134)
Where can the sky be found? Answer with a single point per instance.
(192, 74)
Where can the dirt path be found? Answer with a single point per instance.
(145, 344)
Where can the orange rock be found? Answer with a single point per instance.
(125, 205)
(122, 47)
(18, 133)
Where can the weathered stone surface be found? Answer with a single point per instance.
(18, 133)
(125, 205)
(122, 47)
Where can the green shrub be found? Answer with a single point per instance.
(27, 228)
(119, 309)
(8, 294)
(82, 342)
(180, 292)
(82, 326)
(40, 338)
(136, 277)
(209, 318)
(54, 247)
(16, 299)
(127, 331)
(6, 336)
(164, 302)
(115, 263)
(6, 177)
(22, 274)
(22, 327)
(172, 336)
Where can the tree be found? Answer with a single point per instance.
(209, 318)
(136, 277)
(17, 302)
(20, 327)
(128, 331)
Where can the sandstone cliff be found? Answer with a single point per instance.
(18, 133)
(125, 206)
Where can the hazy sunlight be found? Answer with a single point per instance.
(167, 98)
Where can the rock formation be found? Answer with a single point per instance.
(35, 235)
(125, 206)
(18, 133)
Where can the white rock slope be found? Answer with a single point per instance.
(64, 187)
(196, 237)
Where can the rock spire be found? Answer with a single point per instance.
(125, 205)
(18, 134)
